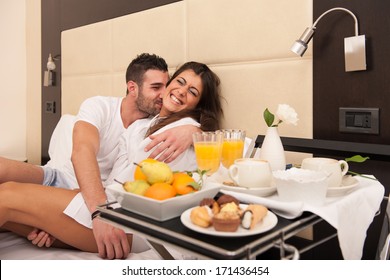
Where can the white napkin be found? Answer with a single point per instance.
(350, 214)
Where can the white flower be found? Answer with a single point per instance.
(284, 113)
(287, 114)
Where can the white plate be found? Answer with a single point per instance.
(347, 185)
(269, 222)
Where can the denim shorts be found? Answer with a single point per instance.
(54, 177)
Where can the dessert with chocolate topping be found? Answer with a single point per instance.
(211, 203)
(226, 198)
(207, 201)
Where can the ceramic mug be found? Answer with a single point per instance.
(251, 173)
(335, 169)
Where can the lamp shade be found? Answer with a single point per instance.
(300, 46)
(50, 63)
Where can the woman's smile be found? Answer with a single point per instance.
(175, 99)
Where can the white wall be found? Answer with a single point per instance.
(33, 41)
(20, 79)
(13, 78)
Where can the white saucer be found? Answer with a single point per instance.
(347, 185)
(221, 180)
(254, 191)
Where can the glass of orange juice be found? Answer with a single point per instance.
(208, 149)
(233, 146)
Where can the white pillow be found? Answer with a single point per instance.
(60, 146)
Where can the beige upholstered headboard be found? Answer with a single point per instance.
(247, 43)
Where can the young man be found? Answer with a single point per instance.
(97, 130)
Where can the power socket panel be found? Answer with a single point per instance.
(50, 107)
(359, 120)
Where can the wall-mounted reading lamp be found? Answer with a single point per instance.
(354, 47)
(49, 75)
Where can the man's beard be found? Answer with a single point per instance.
(148, 107)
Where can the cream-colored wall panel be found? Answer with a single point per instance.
(222, 31)
(76, 89)
(160, 31)
(246, 42)
(249, 89)
(87, 49)
(119, 84)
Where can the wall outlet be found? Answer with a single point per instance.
(50, 107)
(359, 120)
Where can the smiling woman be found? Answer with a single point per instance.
(192, 91)
(183, 93)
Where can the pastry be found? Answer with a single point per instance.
(210, 202)
(226, 221)
(252, 215)
(226, 199)
(231, 207)
(201, 216)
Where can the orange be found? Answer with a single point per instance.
(182, 183)
(160, 191)
(138, 174)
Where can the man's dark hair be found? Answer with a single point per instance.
(142, 63)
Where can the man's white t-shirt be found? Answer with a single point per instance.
(104, 113)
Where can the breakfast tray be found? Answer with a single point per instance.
(174, 234)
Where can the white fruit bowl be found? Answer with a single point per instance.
(160, 210)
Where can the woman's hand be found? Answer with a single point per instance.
(171, 143)
(40, 238)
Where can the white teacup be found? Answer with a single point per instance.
(251, 173)
(336, 169)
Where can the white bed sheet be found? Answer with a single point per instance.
(13, 247)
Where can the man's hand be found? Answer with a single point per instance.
(171, 143)
(40, 238)
(112, 242)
